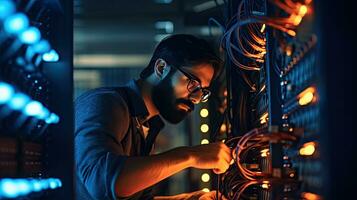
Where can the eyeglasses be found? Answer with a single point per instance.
(194, 86)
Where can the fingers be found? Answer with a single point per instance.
(218, 171)
(227, 151)
(221, 168)
(224, 198)
(208, 196)
(196, 194)
(212, 196)
(232, 162)
(225, 159)
(212, 156)
(220, 196)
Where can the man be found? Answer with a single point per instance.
(115, 128)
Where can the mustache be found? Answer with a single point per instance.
(186, 102)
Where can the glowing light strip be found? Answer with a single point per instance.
(13, 188)
(17, 24)
(21, 102)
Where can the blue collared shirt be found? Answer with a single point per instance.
(108, 129)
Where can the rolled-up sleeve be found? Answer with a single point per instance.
(101, 122)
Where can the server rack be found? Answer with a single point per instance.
(36, 128)
(274, 91)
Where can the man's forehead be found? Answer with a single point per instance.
(204, 72)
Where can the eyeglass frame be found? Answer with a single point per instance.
(205, 92)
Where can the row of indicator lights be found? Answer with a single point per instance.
(13, 188)
(21, 102)
(307, 149)
(205, 177)
(305, 195)
(205, 128)
(204, 113)
(18, 24)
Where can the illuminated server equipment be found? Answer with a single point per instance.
(36, 147)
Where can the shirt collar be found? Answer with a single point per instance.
(138, 108)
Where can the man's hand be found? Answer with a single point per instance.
(197, 195)
(211, 196)
(139, 173)
(216, 156)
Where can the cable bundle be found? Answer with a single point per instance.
(244, 38)
(244, 41)
(238, 177)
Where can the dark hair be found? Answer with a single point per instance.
(184, 50)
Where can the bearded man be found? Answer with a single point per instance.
(116, 127)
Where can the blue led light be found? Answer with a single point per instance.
(18, 101)
(23, 186)
(44, 184)
(6, 8)
(8, 188)
(34, 108)
(6, 92)
(41, 47)
(52, 183)
(55, 119)
(20, 61)
(13, 188)
(16, 23)
(36, 186)
(44, 114)
(51, 56)
(59, 182)
(52, 119)
(30, 35)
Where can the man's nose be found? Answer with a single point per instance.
(195, 98)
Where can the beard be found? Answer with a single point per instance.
(167, 104)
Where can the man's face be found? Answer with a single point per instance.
(171, 96)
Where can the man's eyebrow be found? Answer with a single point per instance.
(199, 80)
(196, 78)
(191, 75)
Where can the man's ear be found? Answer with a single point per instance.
(161, 68)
